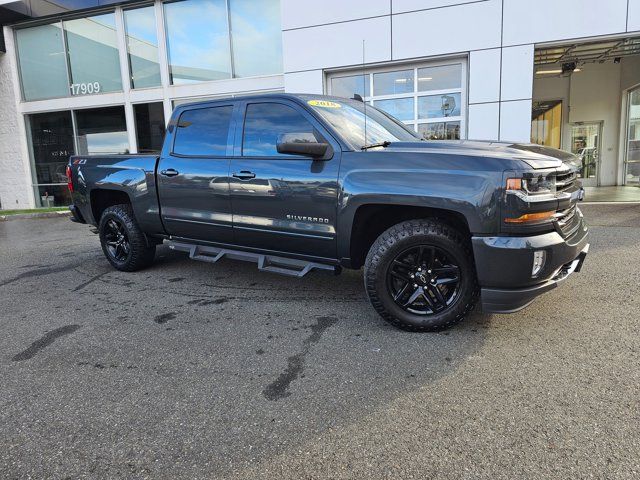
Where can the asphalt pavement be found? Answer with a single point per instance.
(191, 370)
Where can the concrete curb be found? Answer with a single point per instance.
(27, 216)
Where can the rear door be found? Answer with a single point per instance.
(193, 174)
(283, 202)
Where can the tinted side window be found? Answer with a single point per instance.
(265, 122)
(203, 131)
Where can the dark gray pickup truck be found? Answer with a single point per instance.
(304, 182)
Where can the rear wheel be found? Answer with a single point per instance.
(420, 276)
(122, 240)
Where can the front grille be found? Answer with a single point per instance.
(567, 220)
(565, 180)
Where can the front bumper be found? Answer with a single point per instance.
(495, 300)
(504, 266)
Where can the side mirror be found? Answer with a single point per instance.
(304, 144)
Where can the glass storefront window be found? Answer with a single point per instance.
(348, 86)
(256, 37)
(440, 131)
(443, 77)
(401, 108)
(51, 144)
(102, 131)
(197, 41)
(94, 62)
(438, 106)
(142, 47)
(393, 83)
(43, 68)
(150, 126)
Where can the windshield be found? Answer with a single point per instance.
(347, 118)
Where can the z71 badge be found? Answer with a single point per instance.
(302, 218)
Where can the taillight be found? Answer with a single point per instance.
(69, 179)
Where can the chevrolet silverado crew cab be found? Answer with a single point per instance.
(303, 182)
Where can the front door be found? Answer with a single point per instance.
(283, 202)
(585, 143)
(632, 150)
(193, 175)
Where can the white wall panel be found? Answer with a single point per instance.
(304, 82)
(337, 45)
(15, 181)
(307, 13)
(441, 31)
(400, 6)
(484, 119)
(633, 17)
(484, 76)
(547, 20)
(515, 121)
(517, 73)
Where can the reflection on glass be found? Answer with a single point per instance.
(93, 54)
(348, 86)
(42, 64)
(440, 78)
(197, 41)
(102, 131)
(51, 136)
(53, 196)
(401, 108)
(256, 37)
(203, 132)
(390, 83)
(265, 122)
(149, 126)
(142, 46)
(437, 106)
(440, 131)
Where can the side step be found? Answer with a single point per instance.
(267, 263)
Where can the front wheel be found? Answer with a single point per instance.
(420, 276)
(123, 243)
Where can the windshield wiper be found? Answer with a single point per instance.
(385, 144)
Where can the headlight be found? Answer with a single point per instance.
(533, 184)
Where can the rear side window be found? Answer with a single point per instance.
(203, 132)
(265, 122)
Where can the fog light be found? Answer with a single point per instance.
(539, 257)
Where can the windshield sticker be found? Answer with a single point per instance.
(323, 103)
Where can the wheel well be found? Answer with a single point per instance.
(371, 220)
(103, 199)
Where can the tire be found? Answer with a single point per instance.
(431, 246)
(125, 247)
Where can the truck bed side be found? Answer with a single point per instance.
(100, 181)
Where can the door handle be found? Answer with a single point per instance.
(244, 175)
(170, 172)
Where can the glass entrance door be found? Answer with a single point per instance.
(632, 151)
(585, 143)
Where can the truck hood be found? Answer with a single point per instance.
(536, 156)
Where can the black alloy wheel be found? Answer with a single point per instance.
(423, 280)
(420, 275)
(117, 240)
(123, 242)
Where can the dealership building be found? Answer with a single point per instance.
(103, 76)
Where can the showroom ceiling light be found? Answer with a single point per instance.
(554, 72)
